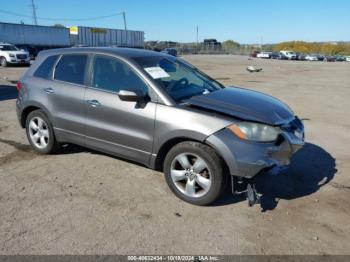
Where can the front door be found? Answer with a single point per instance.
(112, 125)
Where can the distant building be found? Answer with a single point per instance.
(210, 45)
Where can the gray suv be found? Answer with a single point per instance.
(157, 110)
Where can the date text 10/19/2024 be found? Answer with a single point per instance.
(173, 258)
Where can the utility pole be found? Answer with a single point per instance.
(197, 39)
(35, 20)
(124, 16)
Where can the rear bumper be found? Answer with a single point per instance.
(247, 159)
(19, 111)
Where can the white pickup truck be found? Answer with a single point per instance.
(290, 55)
(263, 55)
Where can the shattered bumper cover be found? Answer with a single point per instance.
(247, 158)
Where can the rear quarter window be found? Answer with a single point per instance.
(45, 69)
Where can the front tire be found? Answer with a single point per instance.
(3, 62)
(195, 173)
(40, 133)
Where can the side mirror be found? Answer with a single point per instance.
(130, 96)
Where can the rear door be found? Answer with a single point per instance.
(66, 93)
(112, 125)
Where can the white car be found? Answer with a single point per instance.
(347, 58)
(290, 55)
(311, 58)
(263, 55)
(10, 54)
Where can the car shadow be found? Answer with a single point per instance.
(311, 168)
(8, 92)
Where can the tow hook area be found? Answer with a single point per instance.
(252, 195)
(247, 187)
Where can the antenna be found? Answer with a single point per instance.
(35, 19)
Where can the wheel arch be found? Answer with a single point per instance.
(158, 159)
(30, 108)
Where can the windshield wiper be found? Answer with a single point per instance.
(190, 96)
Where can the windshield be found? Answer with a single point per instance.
(178, 78)
(8, 48)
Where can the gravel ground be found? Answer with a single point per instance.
(83, 202)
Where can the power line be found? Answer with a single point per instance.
(60, 19)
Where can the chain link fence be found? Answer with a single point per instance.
(210, 46)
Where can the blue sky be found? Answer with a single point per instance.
(245, 21)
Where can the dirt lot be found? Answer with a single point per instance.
(83, 202)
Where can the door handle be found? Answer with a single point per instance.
(49, 90)
(93, 103)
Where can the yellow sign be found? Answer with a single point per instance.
(73, 30)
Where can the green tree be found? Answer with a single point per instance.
(314, 47)
(230, 46)
(58, 25)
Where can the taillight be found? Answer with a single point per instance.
(19, 86)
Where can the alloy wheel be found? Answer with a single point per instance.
(39, 132)
(191, 175)
(3, 62)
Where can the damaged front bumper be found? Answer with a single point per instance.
(247, 159)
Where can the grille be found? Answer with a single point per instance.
(21, 56)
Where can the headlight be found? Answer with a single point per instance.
(11, 55)
(255, 132)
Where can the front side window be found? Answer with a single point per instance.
(178, 78)
(71, 68)
(8, 48)
(45, 68)
(113, 75)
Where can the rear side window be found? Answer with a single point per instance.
(45, 68)
(71, 68)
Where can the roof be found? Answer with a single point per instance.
(120, 51)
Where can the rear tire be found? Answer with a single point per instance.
(40, 133)
(195, 173)
(3, 62)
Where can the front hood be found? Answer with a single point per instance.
(18, 53)
(244, 104)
